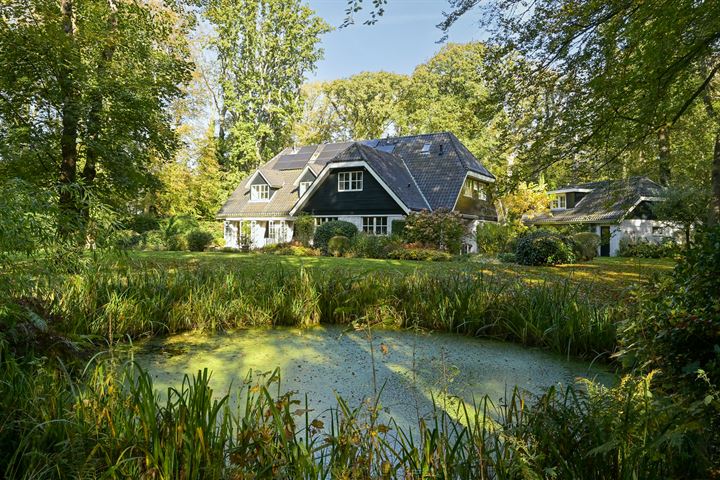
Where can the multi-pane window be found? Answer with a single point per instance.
(474, 189)
(303, 187)
(375, 225)
(259, 193)
(320, 220)
(558, 202)
(276, 231)
(350, 181)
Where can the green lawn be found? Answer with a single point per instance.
(608, 278)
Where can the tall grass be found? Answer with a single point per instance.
(114, 304)
(107, 422)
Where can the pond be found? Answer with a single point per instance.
(412, 369)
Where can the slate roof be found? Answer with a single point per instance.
(421, 179)
(608, 201)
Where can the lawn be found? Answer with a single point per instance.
(606, 278)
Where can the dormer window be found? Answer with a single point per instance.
(350, 181)
(303, 187)
(474, 189)
(558, 202)
(426, 148)
(260, 193)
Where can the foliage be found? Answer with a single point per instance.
(423, 254)
(304, 228)
(678, 328)
(154, 240)
(143, 222)
(397, 227)
(128, 239)
(199, 240)
(641, 248)
(495, 238)
(441, 229)
(374, 246)
(177, 243)
(686, 207)
(587, 244)
(526, 200)
(338, 245)
(543, 247)
(507, 257)
(294, 249)
(327, 230)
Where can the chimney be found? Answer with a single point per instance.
(441, 149)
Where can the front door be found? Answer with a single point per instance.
(605, 241)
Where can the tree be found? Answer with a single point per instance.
(84, 89)
(264, 48)
(685, 206)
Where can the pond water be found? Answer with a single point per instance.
(412, 368)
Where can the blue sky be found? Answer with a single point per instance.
(403, 38)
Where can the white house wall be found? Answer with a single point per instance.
(640, 230)
(258, 229)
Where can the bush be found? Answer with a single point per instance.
(177, 243)
(507, 257)
(304, 228)
(586, 245)
(338, 245)
(494, 238)
(199, 240)
(154, 240)
(398, 228)
(143, 222)
(442, 229)
(127, 239)
(641, 248)
(425, 254)
(294, 249)
(543, 247)
(327, 230)
(374, 246)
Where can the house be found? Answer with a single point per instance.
(614, 209)
(369, 183)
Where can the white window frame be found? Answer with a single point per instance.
(558, 202)
(350, 181)
(474, 189)
(260, 193)
(320, 220)
(303, 187)
(375, 225)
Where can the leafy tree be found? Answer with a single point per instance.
(685, 206)
(264, 49)
(84, 89)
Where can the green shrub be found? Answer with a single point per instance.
(586, 245)
(442, 229)
(641, 248)
(127, 239)
(304, 228)
(294, 249)
(199, 240)
(177, 243)
(507, 257)
(154, 240)
(543, 247)
(143, 222)
(425, 254)
(338, 245)
(494, 238)
(374, 246)
(398, 228)
(327, 230)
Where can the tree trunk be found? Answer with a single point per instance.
(714, 216)
(664, 155)
(68, 140)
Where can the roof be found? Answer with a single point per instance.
(606, 201)
(421, 177)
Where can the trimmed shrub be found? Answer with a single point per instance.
(640, 248)
(177, 243)
(543, 247)
(507, 257)
(327, 230)
(374, 246)
(442, 229)
(294, 249)
(586, 245)
(398, 228)
(304, 228)
(199, 240)
(425, 254)
(338, 245)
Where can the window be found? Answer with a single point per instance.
(558, 202)
(426, 148)
(259, 193)
(375, 225)
(320, 220)
(276, 231)
(658, 231)
(350, 181)
(474, 189)
(303, 187)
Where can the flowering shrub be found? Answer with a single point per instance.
(442, 229)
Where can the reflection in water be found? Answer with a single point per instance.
(411, 369)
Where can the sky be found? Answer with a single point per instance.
(403, 38)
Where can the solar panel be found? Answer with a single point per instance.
(292, 162)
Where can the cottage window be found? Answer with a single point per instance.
(558, 202)
(658, 231)
(474, 189)
(350, 181)
(303, 187)
(375, 225)
(320, 220)
(260, 193)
